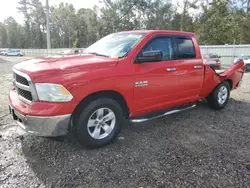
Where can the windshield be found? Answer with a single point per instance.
(115, 45)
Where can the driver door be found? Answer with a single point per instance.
(156, 83)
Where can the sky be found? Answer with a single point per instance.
(8, 8)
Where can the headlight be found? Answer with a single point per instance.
(52, 93)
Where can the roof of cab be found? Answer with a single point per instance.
(161, 32)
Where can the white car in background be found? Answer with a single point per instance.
(14, 52)
(3, 52)
(246, 60)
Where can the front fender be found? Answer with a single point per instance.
(121, 85)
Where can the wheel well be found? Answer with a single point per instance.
(230, 83)
(108, 94)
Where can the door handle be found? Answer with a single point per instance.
(197, 66)
(171, 69)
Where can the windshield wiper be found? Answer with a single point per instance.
(97, 54)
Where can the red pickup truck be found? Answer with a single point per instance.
(135, 75)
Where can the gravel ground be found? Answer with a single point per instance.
(196, 148)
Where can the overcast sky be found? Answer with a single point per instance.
(8, 8)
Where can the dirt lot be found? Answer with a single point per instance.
(196, 148)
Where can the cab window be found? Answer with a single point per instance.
(184, 48)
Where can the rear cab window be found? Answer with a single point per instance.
(184, 48)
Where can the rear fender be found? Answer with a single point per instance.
(234, 73)
(212, 79)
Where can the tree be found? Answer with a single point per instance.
(216, 21)
(63, 25)
(34, 22)
(136, 14)
(3, 36)
(24, 9)
(14, 32)
(187, 4)
(215, 24)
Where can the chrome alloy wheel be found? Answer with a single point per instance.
(101, 123)
(222, 95)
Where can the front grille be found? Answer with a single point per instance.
(25, 94)
(21, 80)
(24, 86)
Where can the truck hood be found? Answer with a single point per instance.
(43, 67)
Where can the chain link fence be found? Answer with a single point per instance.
(227, 52)
(43, 52)
(40, 52)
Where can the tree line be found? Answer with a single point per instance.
(213, 21)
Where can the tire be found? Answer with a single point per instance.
(88, 122)
(218, 99)
(247, 68)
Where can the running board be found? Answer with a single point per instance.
(143, 119)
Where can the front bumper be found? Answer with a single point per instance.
(50, 126)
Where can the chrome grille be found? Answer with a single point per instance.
(25, 94)
(21, 80)
(24, 86)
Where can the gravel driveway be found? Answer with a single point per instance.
(196, 148)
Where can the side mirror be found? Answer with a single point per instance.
(149, 56)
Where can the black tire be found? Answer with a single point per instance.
(213, 99)
(247, 68)
(81, 128)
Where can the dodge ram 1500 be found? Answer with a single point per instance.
(134, 75)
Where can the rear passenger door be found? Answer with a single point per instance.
(190, 70)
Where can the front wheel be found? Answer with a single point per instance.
(99, 123)
(218, 99)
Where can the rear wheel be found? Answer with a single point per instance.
(218, 99)
(99, 123)
(247, 68)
